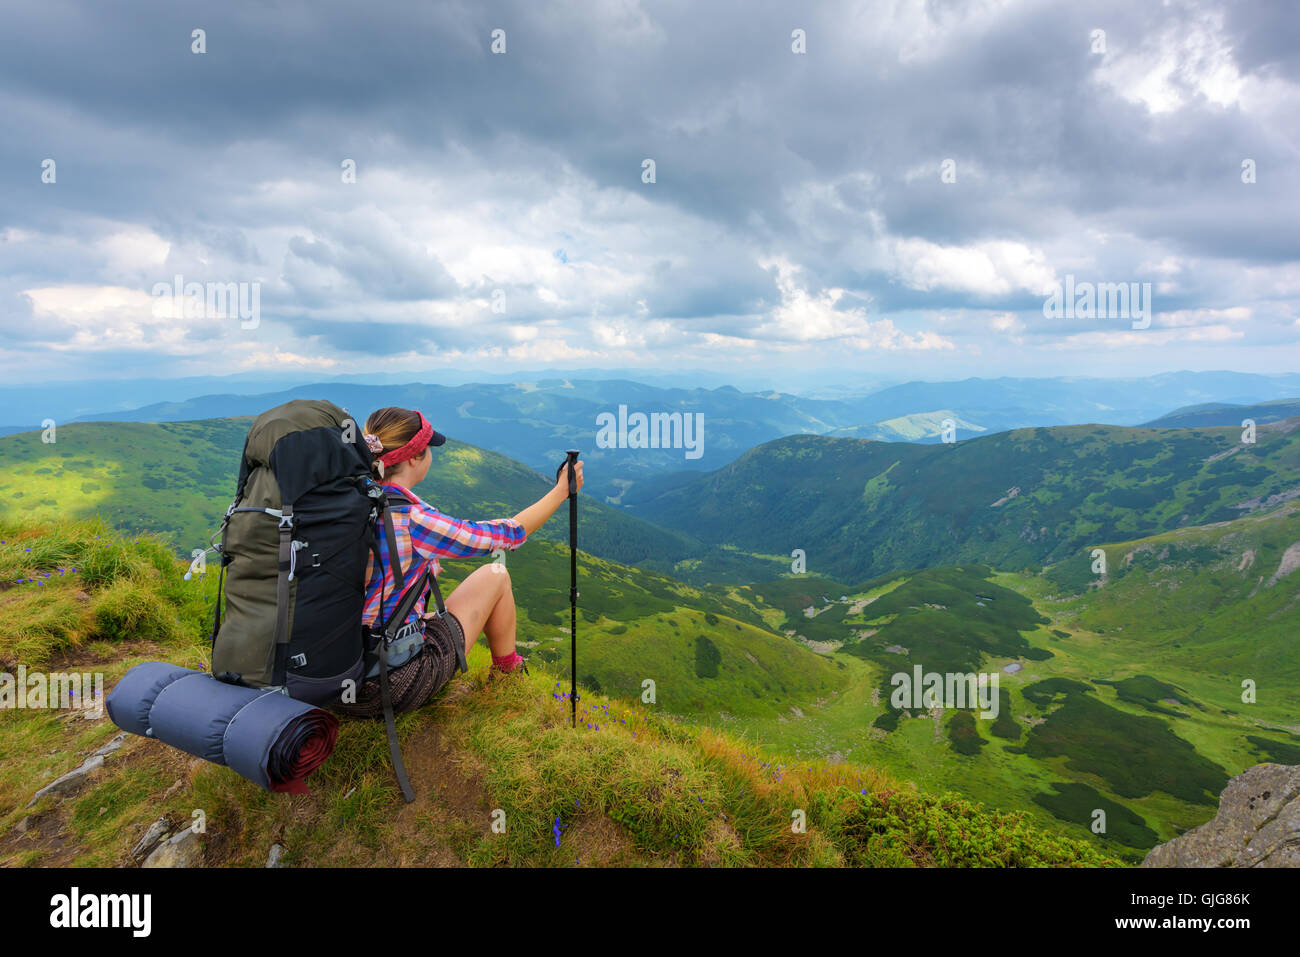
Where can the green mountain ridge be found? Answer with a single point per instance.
(178, 478)
(1018, 499)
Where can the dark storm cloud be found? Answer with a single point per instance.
(826, 158)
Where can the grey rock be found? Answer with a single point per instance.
(1258, 825)
(158, 830)
(74, 777)
(70, 780)
(112, 746)
(180, 850)
(273, 859)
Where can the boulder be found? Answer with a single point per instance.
(158, 830)
(1258, 825)
(180, 850)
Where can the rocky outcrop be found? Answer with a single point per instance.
(1258, 825)
(157, 832)
(180, 850)
(73, 779)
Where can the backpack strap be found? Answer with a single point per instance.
(390, 725)
(282, 596)
(216, 611)
(397, 499)
(442, 613)
(404, 606)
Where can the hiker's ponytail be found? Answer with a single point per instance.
(393, 427)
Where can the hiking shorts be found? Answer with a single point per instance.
(419, 678)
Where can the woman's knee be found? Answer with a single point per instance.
(493, 578)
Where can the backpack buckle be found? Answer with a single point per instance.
(299, 661)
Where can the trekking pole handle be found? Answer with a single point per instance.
(570, 460)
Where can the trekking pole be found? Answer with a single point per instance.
(571, 462)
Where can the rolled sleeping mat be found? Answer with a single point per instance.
(262, 735)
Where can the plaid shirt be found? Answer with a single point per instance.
(422, 534)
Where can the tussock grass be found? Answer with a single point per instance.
(625, 787)
(63, 584)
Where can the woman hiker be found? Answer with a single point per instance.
(422, 658)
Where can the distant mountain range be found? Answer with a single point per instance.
(1218, 413)
(533, 421)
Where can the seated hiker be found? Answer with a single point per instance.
(423, 657)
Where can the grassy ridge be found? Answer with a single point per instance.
(629, 786)
(176, 479)
(1014, 500)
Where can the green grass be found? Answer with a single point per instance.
(630, 785)
(1179, 629)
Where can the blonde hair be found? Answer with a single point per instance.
(394, 427)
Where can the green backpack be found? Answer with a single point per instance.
(294, 549)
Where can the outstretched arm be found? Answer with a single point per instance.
(535, 515)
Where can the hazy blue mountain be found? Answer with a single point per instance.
(534, 420)
(1001, 404)
(1219, 413)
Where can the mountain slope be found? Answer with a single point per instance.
(1010, 500)
(628, 786)
(178, 478)
(534, 422)
(1179, 663)
(1218, 413)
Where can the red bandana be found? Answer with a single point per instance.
(412, 448)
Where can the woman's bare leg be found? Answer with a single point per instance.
(485, 602)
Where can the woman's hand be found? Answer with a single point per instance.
(563, 481)
(535, 516)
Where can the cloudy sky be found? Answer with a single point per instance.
(884, 189)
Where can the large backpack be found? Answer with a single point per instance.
(294, 549)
